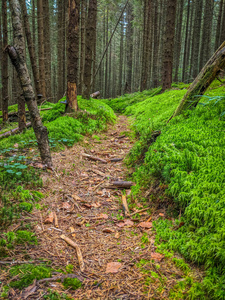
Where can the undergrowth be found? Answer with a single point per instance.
(189, 157)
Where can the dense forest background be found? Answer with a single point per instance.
(147, 33)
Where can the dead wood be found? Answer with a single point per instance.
(122, 184)
(95, 94)
(13, 131)
(140, 211)
(98, 173)
(60, 277)
(125, 206)
(74, 245)
(18, 262)
(121, 136)
(116, 159)
(94, 158)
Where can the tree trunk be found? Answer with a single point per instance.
(130, 19)
(119, 91)
(60, 78)
(168, 45)
(41, 51)
(18, 60)
(72, 55)
(31, 48)
(218, 26)
(210, 71)
(184, 72)
(82, 47)
(5, 75)
(90, 33)
(47, 49)
(156, 46)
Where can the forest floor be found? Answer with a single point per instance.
(119, 254)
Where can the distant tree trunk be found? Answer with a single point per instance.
(41, 51)
(72, 55)
(1, 54)
(222, 33)
(17, 57)
(184, 72)
(5, 78)
(145, 50)
(90, 33)
(33, 22)
(178, 39)
(21, 105)
(82, 47)
(31, 48)
(218, 26)
(47, 48)
(106, 57)
(196, 37)
(120, 75)
(130, 32)
(60, 79)
(156, 46)
(206, 33)
(210, 71)
(168, 45)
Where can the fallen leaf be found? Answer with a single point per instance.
(108, 230)
(120, 224)
(49, 219)
(103, 216)
(157, 256)
(65, 205)
(117, 235)
(87, 205)
(96, 204)
(16, 145)
(72, 230)
(145, 225)
(128, 222)
(161, 215)
(113, 267)
(76, 197)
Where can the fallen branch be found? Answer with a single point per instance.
(12, 131)
(74, 245)
(95, 94)
(122, 184)
(98, 172)
(116, 159)
(125, 206)
(139, 211)
(20, 262)
(26, 112)
(94, 158)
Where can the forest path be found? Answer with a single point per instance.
(77, 193)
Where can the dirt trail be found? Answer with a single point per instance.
(77, 193)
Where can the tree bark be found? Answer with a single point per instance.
(41, 48)
(31, 48)
(60, 78)
(210, 71)
(218, 26)
(17, 57)
(168, 45)
(82, 47)
(5, 75)
(90, 33)
(184, 72)
(130, 32)
(72, 55)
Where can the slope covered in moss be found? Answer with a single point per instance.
(189, 157)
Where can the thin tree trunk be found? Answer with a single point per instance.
(178, 41)
(41, 48)
(106, 58)
(168, 45)
(210, 71)
(17, 57)
(119, 92)
(156, 46)
(90, 33)
(31, 48)
(33, 22)
(82, 48)
(130, 33)
(47, 48)
(73, 55)
(5, 75)
(184, 72)
(218, 27)
(1, 54)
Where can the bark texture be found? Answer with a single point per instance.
(168, 45)
(210, 71)
(73, 55)
(5, 78)
(17, 57)
(90, 33)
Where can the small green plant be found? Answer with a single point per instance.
(72, 283)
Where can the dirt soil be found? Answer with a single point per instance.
(119, 255)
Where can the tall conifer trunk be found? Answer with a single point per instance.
(168, 45)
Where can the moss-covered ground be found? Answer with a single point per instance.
(189, 159)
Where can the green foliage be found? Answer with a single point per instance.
(52, 295)
(189, 157)
(25, 274)
(72, 283)
(120, 104)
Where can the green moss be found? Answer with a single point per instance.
(72, 283)
(27, 273)
(26, 206)
(189, 157)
